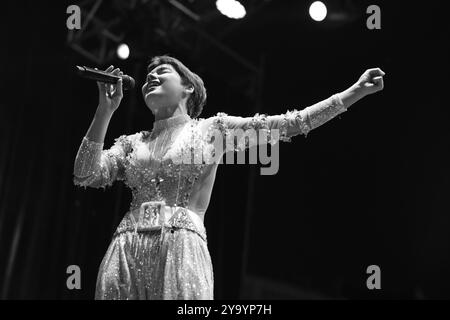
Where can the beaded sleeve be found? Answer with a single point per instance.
(95, 167)
(243, 132)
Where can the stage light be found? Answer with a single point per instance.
(123, 51)
(231, 8)
(318, 11)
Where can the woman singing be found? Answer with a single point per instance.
(159, 249)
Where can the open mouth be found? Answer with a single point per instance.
(152, 85)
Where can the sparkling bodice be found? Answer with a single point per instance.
(150, 166)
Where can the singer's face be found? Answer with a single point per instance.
(162, 87)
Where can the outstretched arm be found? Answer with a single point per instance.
(294, 122)
(370, 82)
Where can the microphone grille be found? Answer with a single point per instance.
(128, 82)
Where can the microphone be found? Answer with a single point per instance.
(102, 76)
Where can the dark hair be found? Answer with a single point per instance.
(197, 99)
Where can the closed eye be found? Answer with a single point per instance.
(165, 70)
(162, 70)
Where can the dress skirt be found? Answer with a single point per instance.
(157, 264)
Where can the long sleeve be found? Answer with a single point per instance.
(95, 167)
(263, 128)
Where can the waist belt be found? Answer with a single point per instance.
(155, 215)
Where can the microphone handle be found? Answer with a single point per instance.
(97, 75)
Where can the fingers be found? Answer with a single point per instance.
(116, 71)
(116, 89)
(379, 83)
(99, 85)
(109, 89)
(119, 89)
(376, 72)
(109, 68)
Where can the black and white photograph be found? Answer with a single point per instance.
(236, 150)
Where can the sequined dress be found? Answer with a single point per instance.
(159, 249)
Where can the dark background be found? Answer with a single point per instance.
(369, 187)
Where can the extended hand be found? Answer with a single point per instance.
(371, 81)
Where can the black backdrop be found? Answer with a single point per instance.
(368, 188)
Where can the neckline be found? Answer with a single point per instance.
(170, 122)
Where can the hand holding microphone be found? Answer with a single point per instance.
(110, 95)
(111, 84)
(104, 76)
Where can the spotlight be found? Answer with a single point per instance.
(123, 51)
(231, 8)
(318, 11)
